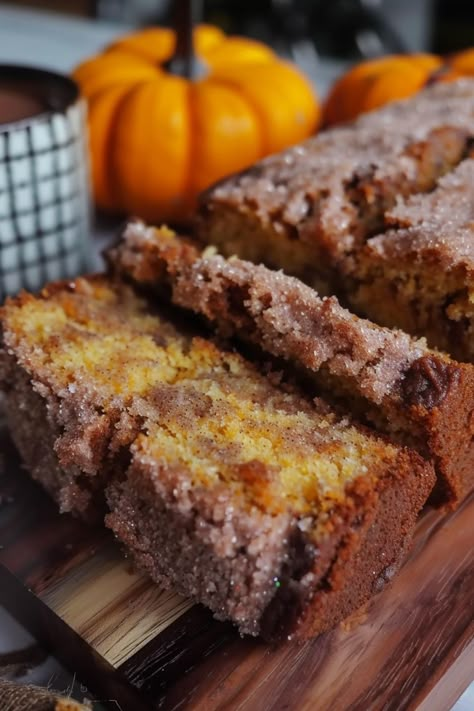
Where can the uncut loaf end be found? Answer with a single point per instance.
(311, 208)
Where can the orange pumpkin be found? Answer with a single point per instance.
(462, 63)
(158, 139)
(375, 82)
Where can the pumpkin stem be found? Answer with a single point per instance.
(184, 61)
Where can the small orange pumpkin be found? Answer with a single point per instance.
(462, 63)
(158, 139)
(455, 67)
(375, 82)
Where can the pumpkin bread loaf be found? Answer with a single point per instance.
(420, 397)
(231, 487)
(419, 274)
(311, 207)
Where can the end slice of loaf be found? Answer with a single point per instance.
(309, 208)
(222, 482)
(68, 370)
(422, 398)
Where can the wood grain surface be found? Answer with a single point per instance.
(412, 647)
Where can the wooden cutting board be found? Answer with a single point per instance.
(140, 647)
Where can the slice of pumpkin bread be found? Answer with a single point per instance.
(67, 373)
(422, 398)
(308, 209)
(222, 482)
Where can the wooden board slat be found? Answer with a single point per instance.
(412, 647)
(92, 598)
(78, 572)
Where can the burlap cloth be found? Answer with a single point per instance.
(16, 697)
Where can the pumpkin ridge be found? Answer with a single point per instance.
(268, 145)
(217, 151)
(103, 178)
(165, 150)
(219, 40)
(111, 175)
(258, 115)
(237, 49)
(160, 139)
(137, 44)
(192, 139)
(88, 73)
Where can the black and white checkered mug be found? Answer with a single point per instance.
(44, 181)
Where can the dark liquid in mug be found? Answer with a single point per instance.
(15, 105)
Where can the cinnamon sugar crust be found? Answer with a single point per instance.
(278, 312)
(421, 397)
(299, 591)
(308, 208)
(419, 275)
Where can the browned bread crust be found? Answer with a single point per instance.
(376, 558)
(62, 437)
(38, 429)
(421, 397)
(374, 532)
(240, 492)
